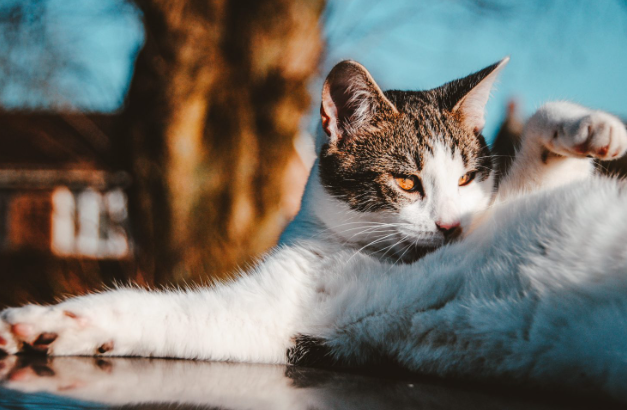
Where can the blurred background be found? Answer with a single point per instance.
(169, 141)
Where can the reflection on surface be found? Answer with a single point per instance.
(80, 383)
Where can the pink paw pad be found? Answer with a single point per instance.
(603, 151)
(21, 329)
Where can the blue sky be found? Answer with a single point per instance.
(83, 50)
(560, 49)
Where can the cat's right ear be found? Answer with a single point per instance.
(467, 97)
(350, 101)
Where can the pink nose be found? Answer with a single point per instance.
(448, 228)
(445, 226)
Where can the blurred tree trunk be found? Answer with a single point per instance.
(215, 103)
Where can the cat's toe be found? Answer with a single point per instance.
(37, 329)
(20, 330)
(41, 344)
(597, 135)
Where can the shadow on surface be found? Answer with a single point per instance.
(90, 383)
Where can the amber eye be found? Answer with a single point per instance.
(467, 179)
(408, 183)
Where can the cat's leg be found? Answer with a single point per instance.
(251, 319)
(558, 145)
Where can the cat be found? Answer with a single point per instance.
(403, 253)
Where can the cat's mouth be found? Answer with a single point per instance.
(403, 245)
(418, 252)
(407, 251)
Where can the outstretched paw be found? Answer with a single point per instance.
(49, 330)
(574, 131)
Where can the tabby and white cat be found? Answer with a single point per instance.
(530, 283)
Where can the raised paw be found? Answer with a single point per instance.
(573, 131)
(50, 330)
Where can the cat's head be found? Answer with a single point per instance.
(404, 171)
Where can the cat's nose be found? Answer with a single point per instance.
(449, 229)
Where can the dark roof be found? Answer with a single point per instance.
(55, 140)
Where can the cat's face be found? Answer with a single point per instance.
(405, 171)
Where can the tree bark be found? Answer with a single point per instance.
(216, 100)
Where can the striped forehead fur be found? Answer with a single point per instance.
(434, 123)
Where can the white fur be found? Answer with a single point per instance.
(534, 296)
(446, 202)
(536, 293)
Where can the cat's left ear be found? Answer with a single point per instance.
(467, 97)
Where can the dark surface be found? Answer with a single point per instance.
(90, 383)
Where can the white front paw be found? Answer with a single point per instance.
(50, 330)
(570, 130)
